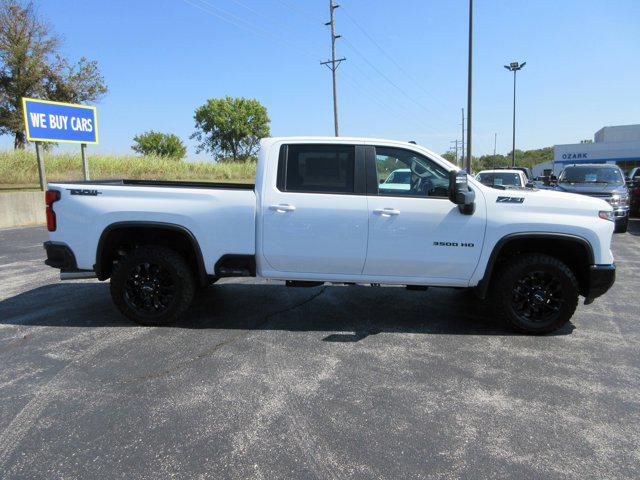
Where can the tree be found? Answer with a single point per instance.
(165, 145)
(526, 158)
(30, 66)
(450, 156)
(231, 127)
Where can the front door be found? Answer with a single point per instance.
(414, 230)
(315, 218)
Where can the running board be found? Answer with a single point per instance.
(302, 283)
(79, 275)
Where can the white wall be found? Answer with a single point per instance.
(619, 133)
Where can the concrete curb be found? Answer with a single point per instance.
(21, 208)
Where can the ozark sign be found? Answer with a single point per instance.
(47, 121)
(574, 156)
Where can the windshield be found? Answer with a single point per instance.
(504, 179)
(608, 175)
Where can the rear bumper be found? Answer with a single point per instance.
(59, 255)
(601, 278)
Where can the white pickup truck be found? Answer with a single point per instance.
(320, 212)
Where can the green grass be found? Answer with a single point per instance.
(19, 169)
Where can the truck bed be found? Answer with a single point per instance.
(162, 183)
(220, 216)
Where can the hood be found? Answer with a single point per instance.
(597, 190)
(542, 200)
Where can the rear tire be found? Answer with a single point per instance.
(535, 293)
(152, 286)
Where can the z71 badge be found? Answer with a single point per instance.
(510, 200)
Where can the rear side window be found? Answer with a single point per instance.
(319, 169)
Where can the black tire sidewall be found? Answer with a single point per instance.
(543, 263)
(174, 265)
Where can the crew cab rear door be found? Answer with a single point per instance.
(315, 219)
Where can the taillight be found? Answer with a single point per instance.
(50, 198)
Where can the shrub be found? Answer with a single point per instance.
(165, 145)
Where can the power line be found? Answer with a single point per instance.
(392, 59)
(243, 24)
(376, 97)
(387, 79)
(239, 22)
(257, 13)
(302, 13)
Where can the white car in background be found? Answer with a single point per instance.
(399, 179)
(503, 178)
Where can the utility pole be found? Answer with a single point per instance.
(333, 63)
(495, 142)
(469, 91)
(462, 156)
(514, 67)
(454, 146)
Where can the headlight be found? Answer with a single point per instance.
(607, 215)
(619, 200)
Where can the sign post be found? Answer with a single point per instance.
(57, 122)
(43, 181)
(85, 167)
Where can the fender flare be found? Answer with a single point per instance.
(202, 272)
(483, 285)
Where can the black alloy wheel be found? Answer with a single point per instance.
(149, 289)
(537, 296)
(534, 293)
(152, 285)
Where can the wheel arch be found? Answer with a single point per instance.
(578, 259)
(170, 235)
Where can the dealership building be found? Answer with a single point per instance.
(619, 145)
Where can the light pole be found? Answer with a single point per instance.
(514, 67)
(469, 89)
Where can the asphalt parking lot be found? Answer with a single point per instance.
(265, 381)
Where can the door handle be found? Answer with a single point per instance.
(282, 207)
(387, 212)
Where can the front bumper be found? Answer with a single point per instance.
(601, 278)
(621, 212)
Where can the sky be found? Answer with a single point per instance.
(404, 78)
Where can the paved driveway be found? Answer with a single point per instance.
(264, 381)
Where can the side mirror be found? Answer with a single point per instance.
(459, 192)
(530, 184)
(381, 181)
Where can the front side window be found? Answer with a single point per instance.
(405, 173)
(320, 169)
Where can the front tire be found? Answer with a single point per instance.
(152, 286)
(535, 293)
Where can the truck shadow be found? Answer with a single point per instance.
(346, 313)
